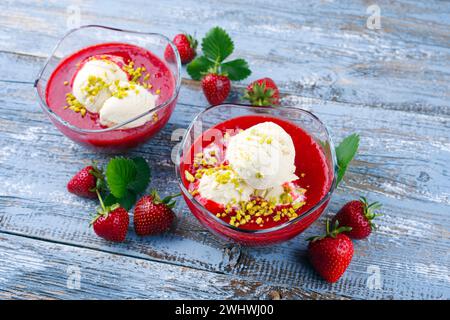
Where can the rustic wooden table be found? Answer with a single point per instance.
(391, 85)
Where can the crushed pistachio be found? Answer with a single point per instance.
(94, 86)
(74, 105)
(258, 209)
(189, 176)
(194, 192)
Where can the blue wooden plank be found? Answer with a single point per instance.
(320, 50)
(411, 234)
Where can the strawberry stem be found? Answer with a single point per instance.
(333, 232)
(101, 200)
(168, 198)
(369, 209)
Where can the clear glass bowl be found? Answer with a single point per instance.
(114, 137)
(216, 114)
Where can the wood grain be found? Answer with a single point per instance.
(389, 85)
(43, 270)
(414, 221)
(315, 49)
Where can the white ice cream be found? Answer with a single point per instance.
(263, 156)
(274, 193)
(224, 187)
(136, 101)
(88, 77)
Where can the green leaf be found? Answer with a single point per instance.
(142, 177)
(198, 67)
(236, 69)
(120, 172)
(110, 200)
(128, 200)
(217, 45)
(345, 152)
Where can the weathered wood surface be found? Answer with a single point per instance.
(397, 100)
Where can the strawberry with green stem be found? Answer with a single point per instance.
(111, 222)
(263, 92)
(358, 215)
(153, 215)
(331, 253)
(87, 181)
(186, 45)
(215, 73)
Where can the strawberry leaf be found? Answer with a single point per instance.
(217, 45)
(236, 69)
(128, 201)
(110, 200)
(120, 172)
(143, 175)
(345, 152)
(198, 67)
(126, 178)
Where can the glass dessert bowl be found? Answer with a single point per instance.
(256, 175)
(109, 88)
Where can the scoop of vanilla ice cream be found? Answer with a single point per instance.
(96, 73)
(133, 101)
(263, 155)
(224, 186)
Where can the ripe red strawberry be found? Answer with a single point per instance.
(186, 45)
(331, 254)
(216, 88)
(153, 215)
(86, 181)
(263, 92)
(111, 223)
(358, 215)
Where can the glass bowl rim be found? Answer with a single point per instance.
(322, 201)
(53, 115)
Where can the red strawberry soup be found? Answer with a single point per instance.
(261, 172)
(107, 84)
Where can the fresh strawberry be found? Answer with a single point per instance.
(111, 223)
(186, 45)
(263, 92)
(331, 254)
(153, 215)
(86, 181)
(216, 87)
(358, 215)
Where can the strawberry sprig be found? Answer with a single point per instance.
(217, 46)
